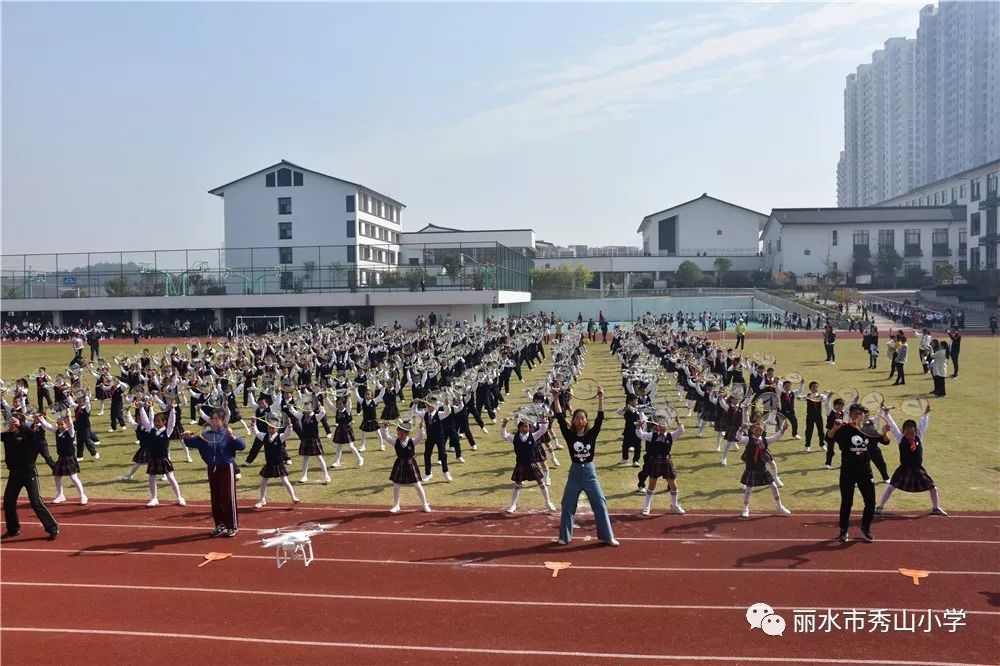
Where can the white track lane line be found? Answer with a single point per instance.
(451, 564)
(468, 535)
(484, 651)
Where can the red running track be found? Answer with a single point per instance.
(465, 586)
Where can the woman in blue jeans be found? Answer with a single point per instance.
(582, 444)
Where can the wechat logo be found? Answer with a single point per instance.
(761, 616)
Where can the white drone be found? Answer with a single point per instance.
(293, 543)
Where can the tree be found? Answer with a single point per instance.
(118, 286)
(452, 265)
(722, 266)
(833, 277)
(582, 276)
(563, 278)
(642, 281)
(781, 280)
(889, 263)
(689, 275)
(944, 273)
(846, 297)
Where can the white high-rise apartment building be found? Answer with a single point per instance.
(924, 108)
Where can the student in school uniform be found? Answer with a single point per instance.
(658, 460)
(66, 464)
(526, 467)
(368, 408)
(786, 401)
(310, 444)
(273, 443)
(629, 440)
(405, 471)
(157, 436)
(836, 414)
(756, 456)
(939, 367)
(902, 353)
(814, 415)
(910, 476)
(956, 349)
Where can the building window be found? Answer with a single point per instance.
(963, 266)
(991, 220)
(269, 179)
(769, 250)
(807, 252)
(974, 224)
(350, 203)
(921, 201)
(939, 237)
(284, 255)
(954, 195)
(935, 198)
(285, 231)
(297, 178)
(286, 280)
(284, 177)
(718, 232)
(912, 237)
(910, 265)
(350, 228)
(779, 245)
(991, 183)
(284, 205)
(974, 189)
(961, 191)
(352, 255)
(365, 203)
(833, 265)
(860, 237)
(886, 238)
(834, 237)
(414, 261)
(974, 259)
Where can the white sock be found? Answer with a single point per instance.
(776, 494)
(322, 466)
(514, 494)
(395, 494)
(364, 436)
(888, 491)
(355, 451)
(305, 465)
(172, 480)
(774, 468)
(263, 488)
(649, 500)
(152, 486)
(340, 450)
(675, 498)
(718, 439)
(546, 476)
(420, 491)
(132, 470)
(75, 478)
(545, 493)
(381, 440)
(59, 487)
(288, 487)
(746, 496)
(701, 426)
(935, 497)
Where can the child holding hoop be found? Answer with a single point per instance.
(405, 471)
(526, 468)
(757, 456)
(658, 460)
(910, 476)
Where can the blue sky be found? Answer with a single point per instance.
(574, 120)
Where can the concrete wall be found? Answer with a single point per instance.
(706, 223)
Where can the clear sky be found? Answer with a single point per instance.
(573, 119)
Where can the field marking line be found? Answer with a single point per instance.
(485, 651)
(468, 535)
(451, 564)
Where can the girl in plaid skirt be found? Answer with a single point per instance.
(658, 461)
(274, 467)
(756, 457)
(66, 464)
(527, 467)
(157, 435)
(405, 471)
(910, 476)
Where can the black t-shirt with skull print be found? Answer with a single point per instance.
(581, 448)
(855, 447)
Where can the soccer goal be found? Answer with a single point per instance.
(259, 324)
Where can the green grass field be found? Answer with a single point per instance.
(962, 445)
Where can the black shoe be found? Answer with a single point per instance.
(843, 536)
(53, 534)
(217, 532)
(867, 535)
(231, 533)
(10, 534)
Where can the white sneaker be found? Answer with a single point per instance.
(555, 461)
(636, 464)
(485, 431)
(548, 481)
(304, 479)
(326, 479)
(822, 447)
(558, 446)
(260, 504)
(623, 463)
(83, 499)
(100, 413)
(192, 422)
(827, 467)
(460, 459)
(362, 448)
(153, 502)
(783, 511)
(724, 462)
(426, 478)
(745, 513)
(427, 508)
(189, 459)
(181, 501)
(640, 491)
(676, 508)
(126, 477)
(329, 435)
(394, 508)
(111, 430)
(473, 447)
(361, 462)
(447, 477)
(718, 448)
(97, 456)
(778, 481)
(808, 449)
(645, 511)
(382, 447)
(511, 509)
(551, 507)
(437, 462)
(336, 464)
(611, 542)
(796, 436)
(59, 500)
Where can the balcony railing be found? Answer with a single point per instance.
(862, 252)
(989, 239)
(636, 252)
(258, 270)
(912, 251)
